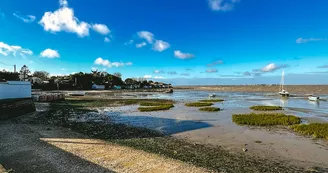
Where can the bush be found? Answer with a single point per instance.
(316, 130)
(266, 108)
(212, 100)
(265, 119)
(156, 108)
(210, 109)
(198, 104)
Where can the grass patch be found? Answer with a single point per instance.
(198, 104)
(316, 130)
(265, 119)
(156, 108)
(266, 108)
(210, 109)
(211, 157)
(212, 100)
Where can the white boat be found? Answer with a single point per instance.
(283, 92)
(314, 98)
(212, 95)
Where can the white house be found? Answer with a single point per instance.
(15, 89)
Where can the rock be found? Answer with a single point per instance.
(245, 150)
(48, 128)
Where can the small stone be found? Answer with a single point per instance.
(245, 150)
(48, 128)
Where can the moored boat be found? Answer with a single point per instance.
(212, 95)
(283, 92)
(314, 98)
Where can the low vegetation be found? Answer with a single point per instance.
(266, 108)
(210, 109)
(198, 104)
(160, 107)
(316, 130)
(267, 119)
(212, 100)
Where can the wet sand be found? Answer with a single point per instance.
(218, 129)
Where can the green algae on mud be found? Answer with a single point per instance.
(316, 130)
(207, 156)
(265, 119)
(198, 104)
(156, 108)
(266, 108)
(210, 109)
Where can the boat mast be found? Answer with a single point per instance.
(282, 83)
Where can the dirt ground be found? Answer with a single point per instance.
(292, 89)
(29, 148)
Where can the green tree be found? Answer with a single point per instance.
(43, 75)
(24, 72)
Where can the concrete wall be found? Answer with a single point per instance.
(15, 90)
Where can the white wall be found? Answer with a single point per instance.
(15, 89)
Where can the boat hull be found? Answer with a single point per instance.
(315, 99)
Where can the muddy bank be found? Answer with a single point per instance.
(212, 157)
(293, 89)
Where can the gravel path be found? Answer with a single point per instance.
(40, 148)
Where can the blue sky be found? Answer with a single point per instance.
(178, 41)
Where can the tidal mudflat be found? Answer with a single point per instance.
(217, 128)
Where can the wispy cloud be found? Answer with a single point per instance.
(306, 40)
(6, 50)
(222, 5)
(160, 45)
(107, 63)
(49, 53)
(214, 63)
(106, 39)
(184, 74)
(148, 36)
(182, 55)
(140, 45)
(323, 66)
(64, 19)
(26, 19)
(172, 73)
(158, 71)
(211, 70)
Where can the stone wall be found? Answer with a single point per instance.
(11, 108)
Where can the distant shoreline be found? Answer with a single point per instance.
(293, 89)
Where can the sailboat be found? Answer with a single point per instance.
(283, 92)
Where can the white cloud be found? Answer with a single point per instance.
(147, 76)
(159, 77)
(63, 19)
(211, 71)
(182, 55)
(101, 28)
(306, 40)
(140, 45)
(160, 45)
(49, 53)
(222, 5)
(63, 2)
(26, 19)
(159, 71)
(148, 36)
(106, 39)
(107, 63)
(272, 67)
(6, 50)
